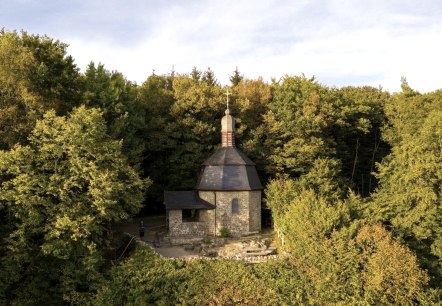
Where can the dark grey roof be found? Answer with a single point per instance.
(228, 169)
(228, 156)
(229, 178)
(185, 200)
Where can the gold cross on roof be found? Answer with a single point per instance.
(228, 94)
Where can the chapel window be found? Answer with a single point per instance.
(235, 206)
(190, 215)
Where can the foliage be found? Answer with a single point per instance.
(180, 128)
(209, 78)
(302, 214)
(54, 77)
(250, 102)
(391, 274)
(305, 121)
(35, 76)
(224, 232)
(369, 269)
(295, 126)
(358, 118)
(409, 197)
(117, 98)
(146, 279)
(18, 105)
(236, 77)
(68, 172)
(339, 259)
(62, 191)
(406, 113)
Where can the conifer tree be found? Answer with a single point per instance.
(236, 77)
(209, 78)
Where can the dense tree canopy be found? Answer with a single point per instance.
(35, 76)
(118, 99)
(352, 175)
(409, 197)
(61, 192)
(19, 105)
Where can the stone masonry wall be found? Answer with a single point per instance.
(237, 224)
(255, 211)
(246, 221)
(201, 228)
(209, 196)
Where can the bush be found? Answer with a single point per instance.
(225, 233)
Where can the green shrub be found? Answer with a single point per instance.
(225, 233)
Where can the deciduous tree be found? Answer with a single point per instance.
(62, 192)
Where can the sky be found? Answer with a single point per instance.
(341, 43)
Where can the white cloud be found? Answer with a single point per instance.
(341, 42)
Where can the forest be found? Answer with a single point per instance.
(352, 176)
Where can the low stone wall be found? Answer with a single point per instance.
(248, 259)
(184, 240)
(216, 241)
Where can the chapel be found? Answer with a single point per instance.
(226, 199)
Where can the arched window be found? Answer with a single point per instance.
(235, 206)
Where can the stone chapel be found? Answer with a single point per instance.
(227, 197)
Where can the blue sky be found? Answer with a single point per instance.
(340, 42)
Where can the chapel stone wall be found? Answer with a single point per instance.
(201, 228)
(255, 211)
(236, 223)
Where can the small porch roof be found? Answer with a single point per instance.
(185, 200)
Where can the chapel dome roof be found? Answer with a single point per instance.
(228, 169)
(228, 156)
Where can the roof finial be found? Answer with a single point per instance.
(227, 94)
